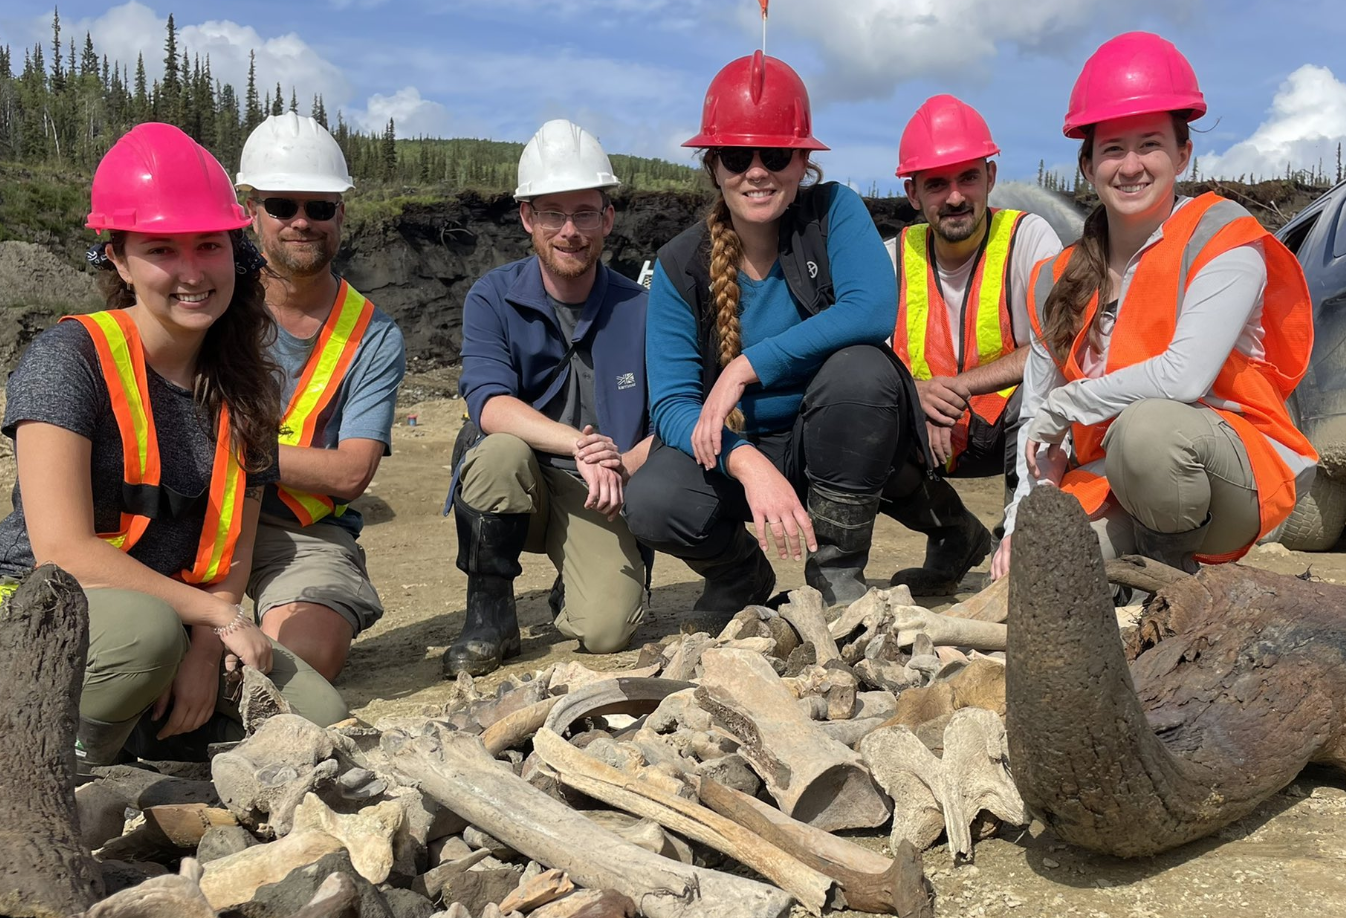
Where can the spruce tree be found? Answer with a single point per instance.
(319, 112)
(57, 77)
(389, 152)
(294, 101)
(88, 62)
(252, 109)
(141, 105)
(278, 104)
(169, 86)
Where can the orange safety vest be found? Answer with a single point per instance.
(1194, 235)
(317, 386)
(121, 357)
(922, 336)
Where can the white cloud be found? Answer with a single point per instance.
(132, 29)
(1306, 122)
(868, 47)
(412, 115)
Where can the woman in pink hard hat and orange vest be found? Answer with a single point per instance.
(144, 434)
(773, 396)
(1166, 340)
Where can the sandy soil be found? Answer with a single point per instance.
(1287, 859)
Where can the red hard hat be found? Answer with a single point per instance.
(1133, 74)
(756, 101)
(944, 132)
(156, 179)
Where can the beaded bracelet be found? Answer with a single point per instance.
(240, 620)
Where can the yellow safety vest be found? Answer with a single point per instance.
(922, 336)
(317, 386)
(121, 357)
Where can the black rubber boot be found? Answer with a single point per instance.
(98, 743)
(844, 526)
(489, 545)
(738, 577)
(956, 541)
(1176, 549)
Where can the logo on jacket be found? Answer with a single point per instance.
(626, 381)
(813, 269)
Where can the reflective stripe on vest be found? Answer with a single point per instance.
(317, 386)
(121, 358)
(1197, 233)
(922, 336)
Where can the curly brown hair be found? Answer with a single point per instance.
(1086, 272)
(726, 257)
(233, 367)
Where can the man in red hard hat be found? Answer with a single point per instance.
(962, 328)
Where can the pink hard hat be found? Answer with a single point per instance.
(944, 131)
(156, 179)
(1133, 74)
(757, 101)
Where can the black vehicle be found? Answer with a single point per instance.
(1317, 236)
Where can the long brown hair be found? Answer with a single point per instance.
(1086, 272)
(726, 256)
(233, 367)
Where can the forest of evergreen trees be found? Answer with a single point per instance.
(67, 106)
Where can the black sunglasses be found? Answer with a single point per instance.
(739, 159)
(285, 208)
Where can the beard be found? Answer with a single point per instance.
(303, 260)
(960, 227)
(568, 268)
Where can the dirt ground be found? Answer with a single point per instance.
(1287, 859)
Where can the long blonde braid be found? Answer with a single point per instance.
(726, 254)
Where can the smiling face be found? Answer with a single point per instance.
(757, 195)
(568, 252)
(183, 282)
(1134, 163)
(953, 198)
(297, 246)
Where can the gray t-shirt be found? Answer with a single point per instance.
(364, 405)
(574, 404)
(58, 381)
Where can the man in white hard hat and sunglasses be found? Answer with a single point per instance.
(342, 362)
(554, 380)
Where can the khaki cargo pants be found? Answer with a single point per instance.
(1170, 464)
(599, 561)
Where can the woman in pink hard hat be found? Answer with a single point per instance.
(773, 397)
(1166, 340)
(144, 434)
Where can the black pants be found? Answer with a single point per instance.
(993, 449)
(855, 424)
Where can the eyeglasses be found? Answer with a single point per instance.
(739, 159)
(584, 220)
(285, 208)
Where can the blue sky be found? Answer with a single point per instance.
(635, 71)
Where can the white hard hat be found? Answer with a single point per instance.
(562, 157)
(290, 152)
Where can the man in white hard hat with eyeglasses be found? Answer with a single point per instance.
(554, 379)
(342, 362)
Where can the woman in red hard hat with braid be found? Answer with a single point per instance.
(144, 433)
(772, 394)
(1166, 340)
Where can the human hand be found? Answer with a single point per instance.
(1001, 562)
(941, 441)
(192, 693)
(597, 448)
(723, 398)
(943, 399)
(605, 489)
(775, 506)
(1045, 466)
(247, 642)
